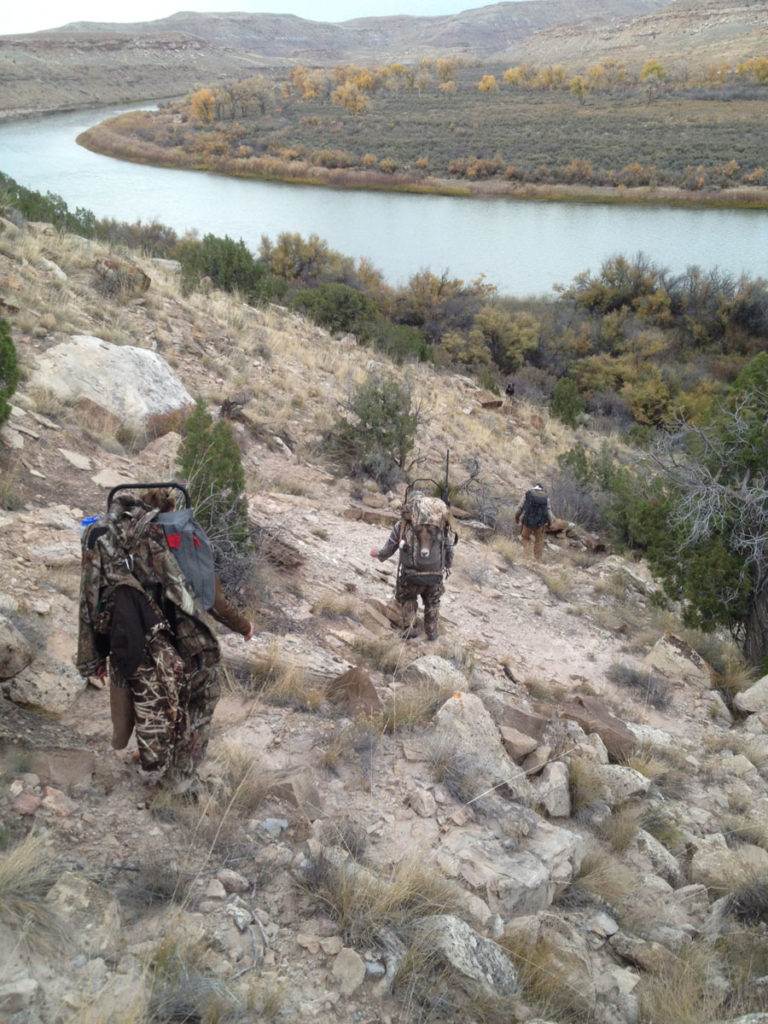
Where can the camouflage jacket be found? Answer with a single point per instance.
(127, 548)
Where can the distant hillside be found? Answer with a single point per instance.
(481, 32)
(682, 35)
(89, 63)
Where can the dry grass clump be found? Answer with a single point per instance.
(26, 876)
(751, 747)
(239, 786)
(748, 902)
(118, 1001)
(540, 689)
(367, 905)
(741, 829)
(283, 682)
(155, 881)
(614, 585)
(245, 781)
(355, 742)
(735, 676)
(560, 585)
(587, 786)
(509, 549)
(46, 403)
(461, 774)
(680, 993)
(602, 877)
(386, 655)
(545, 983)
(743, 952)
(413, 704)
(267, 997)
(620, 828)
(650, 687)
(293, 688)
(11, 487)
(182, 989)
(427, 986)
(661, 823)
(664, 766)
(348, 833)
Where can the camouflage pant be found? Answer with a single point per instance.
(201, 694)
(159, 708)
(407, 595)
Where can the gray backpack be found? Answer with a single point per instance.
(190, 544)
(188, 541)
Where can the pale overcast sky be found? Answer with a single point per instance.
(34, 15)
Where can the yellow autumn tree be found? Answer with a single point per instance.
(350, 98)
(203, 104)
(488, 83)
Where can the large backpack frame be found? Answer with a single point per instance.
(186, 539)
(535, 509)
(430, 569)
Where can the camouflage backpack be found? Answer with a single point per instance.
(424, 525)
(128, 547)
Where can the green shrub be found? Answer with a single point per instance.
(567, 402)
(230, 265)
(380, 432)
(400, 341)
(337, 307)
(209, 459)
(9, 370)
(50, 208)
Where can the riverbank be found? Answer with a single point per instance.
(107, 141)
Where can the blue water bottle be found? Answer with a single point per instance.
(86, 522)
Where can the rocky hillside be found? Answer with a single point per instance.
(684, 35)
(554, 813)
(87, 63)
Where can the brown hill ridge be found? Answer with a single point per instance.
(89, 63)
(532, 819)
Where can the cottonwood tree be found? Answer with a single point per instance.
(203, 105)
(708, 528)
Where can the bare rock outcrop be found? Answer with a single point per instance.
(132, 383)
(16, 652)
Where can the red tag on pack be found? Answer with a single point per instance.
(174, 540)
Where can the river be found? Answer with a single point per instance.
(524, 248)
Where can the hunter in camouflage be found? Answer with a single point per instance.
(139, 617)
(424, 539)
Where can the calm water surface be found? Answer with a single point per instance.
(523, 248)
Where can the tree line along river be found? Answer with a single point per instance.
(522, 247)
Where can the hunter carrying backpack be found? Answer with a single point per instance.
(128, 548)
(424, 519)
(187, 540)
(535, 509)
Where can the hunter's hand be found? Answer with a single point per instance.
(374, 552)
